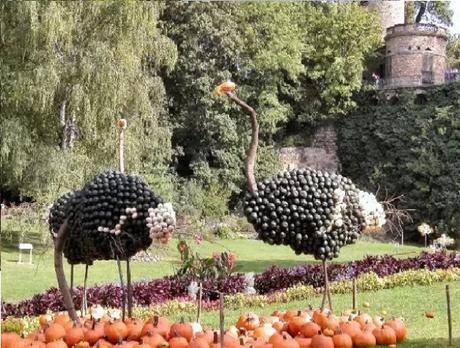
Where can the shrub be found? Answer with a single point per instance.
(411, 149)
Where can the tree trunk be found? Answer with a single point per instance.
(421, 11)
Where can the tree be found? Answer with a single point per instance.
(69, 70)
(437, 12)
(453, 51)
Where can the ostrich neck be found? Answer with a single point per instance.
(252, 151)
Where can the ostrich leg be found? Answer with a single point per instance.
(130, 289)
(59, 269)
(123, 295)
(84, 304)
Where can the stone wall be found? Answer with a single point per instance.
(322, 154)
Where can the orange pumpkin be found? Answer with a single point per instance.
(178, 342)
(61, 319)
(400, 329)
(364, 340)
(10, 340)
(94, 333)
(331, 322)
(321, 317)
(351, 328)
(286, 342)
(198, 343)
(310, 329)
(289, 314)
(102, 343)
(181, 329)
(157, 325)
(44, 320)
(74, 335)
(82, 344)
(248, 321)
(36, 344)
(296, 323)
(369, 327)
(303, 342)
(116, 331)
(342, 341)
(363, 319)
(321, 341)
(278, 326)
(328, 332)
(278, 338)
(384, 335)
(208, 335)
(54, 332)
(154, 341)
(134, 327)
(57, 344)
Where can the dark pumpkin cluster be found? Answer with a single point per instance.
(313, 212)
(111, 217)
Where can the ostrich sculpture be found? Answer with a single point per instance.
(112, 218)
(312, 211)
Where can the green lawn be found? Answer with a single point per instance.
(23, 281)
(408, 302)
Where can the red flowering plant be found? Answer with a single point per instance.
(219, 265)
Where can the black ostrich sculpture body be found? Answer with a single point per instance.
(112, 218)
(312, 211)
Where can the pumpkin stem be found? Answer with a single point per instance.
(155, 320)
(242, 341)
(216, 337)
(182, 321)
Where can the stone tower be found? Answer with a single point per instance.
(391, 12)
(415, 55)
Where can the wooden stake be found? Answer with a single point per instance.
(221, 320)
(354, 294)
(449, 315)
(200, 297)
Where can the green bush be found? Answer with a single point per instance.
(408, 144)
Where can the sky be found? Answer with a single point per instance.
(455, 5)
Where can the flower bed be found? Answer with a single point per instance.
(158, 291)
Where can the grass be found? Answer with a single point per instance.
(22, 281)
(407, 302)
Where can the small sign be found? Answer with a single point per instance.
(25, 246)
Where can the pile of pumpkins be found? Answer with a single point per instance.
(288, 329)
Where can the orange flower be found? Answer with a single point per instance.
(231, 260)
(182, 246)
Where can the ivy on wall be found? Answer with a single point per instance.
(408, 143)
